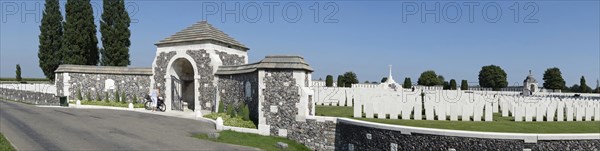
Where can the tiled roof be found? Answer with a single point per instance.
(201, 31)
(103, 70)
(270, 62)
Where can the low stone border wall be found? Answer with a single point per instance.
(30, 97)
(362, 135)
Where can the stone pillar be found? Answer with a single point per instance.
(168, 99)
(263, 128)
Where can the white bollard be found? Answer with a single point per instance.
(219, 124)
(77, 103)
(131, 106)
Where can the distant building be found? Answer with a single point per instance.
(530, 85)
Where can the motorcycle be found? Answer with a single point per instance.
(160, 106)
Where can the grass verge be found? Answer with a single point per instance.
(253, 140)
(229, 121)
(5, 145)
(500, 124)
(112, 103)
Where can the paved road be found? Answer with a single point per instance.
(37, 128)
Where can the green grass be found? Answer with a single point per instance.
(112, 103)
(229, 121)
(500, 124)
(253, 140)
(336, 111)
(5, 145)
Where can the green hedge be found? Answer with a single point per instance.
(229, 121)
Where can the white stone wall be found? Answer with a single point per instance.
(43, 88)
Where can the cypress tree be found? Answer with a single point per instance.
(340, 81)
(583, 85)
(407, 83)
(50, 38)
(452, 84)
(114, 27)
(329, 81)
(464, 85)
(18, 73)
(79, 40)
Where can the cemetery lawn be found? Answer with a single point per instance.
(253, 140)
(500, 124)
(5, 145)
(112, 103)
(336, 111)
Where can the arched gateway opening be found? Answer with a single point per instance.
(182, 85)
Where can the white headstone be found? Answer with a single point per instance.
(560, 110)
(488, 112)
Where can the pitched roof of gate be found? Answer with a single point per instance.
(270, 62)
(199, 32)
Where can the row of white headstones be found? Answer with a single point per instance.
(455, 105)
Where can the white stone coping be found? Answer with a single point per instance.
(528, 138)
(323, 118)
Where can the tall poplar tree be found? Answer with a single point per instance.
(50, 39)
(80, 45)
(114, 27)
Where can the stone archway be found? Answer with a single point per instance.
(181, 86)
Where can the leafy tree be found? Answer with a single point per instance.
(18, 73)
(79, 37)
(553, 79)
(407, 83)
(441, 79)
(429, 78)
(340, 81)
(492, 76)
(50, 39)
(575, 88)
(114, 27)
(464, 85)
(452, 84)
(383, 79)
(329, 81)
(583, 86)
(367, 82)
(350, 78)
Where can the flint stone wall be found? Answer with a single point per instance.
(59, 84)
(160, 70)
(231, 59)
(206, 85)
(281, 92)
(29, 97)
(94, 85)
(355, 137)
(232, 91)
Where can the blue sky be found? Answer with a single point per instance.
(360, 36)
